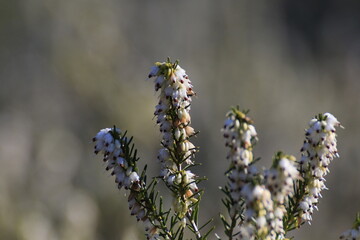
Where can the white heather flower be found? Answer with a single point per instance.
(171, 179)
(318, 150)
(154, 71)
(259, 210)
(189, 180)
(174, 119)
(279, 180)
(107, 141)
(239, 135)
(256, 193)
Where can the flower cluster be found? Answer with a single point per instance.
(354, 233)
(173, 118)
(108, 142)
(279, 179)
(245, 190)
(240, 136)
(318, 150)
(259, 200)
(119, 159)
(258, 214)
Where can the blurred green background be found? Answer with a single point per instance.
(69, 68)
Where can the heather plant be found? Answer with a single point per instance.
(260, 204)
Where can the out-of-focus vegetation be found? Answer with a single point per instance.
(69, 68)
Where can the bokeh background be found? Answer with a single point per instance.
(69, 68)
